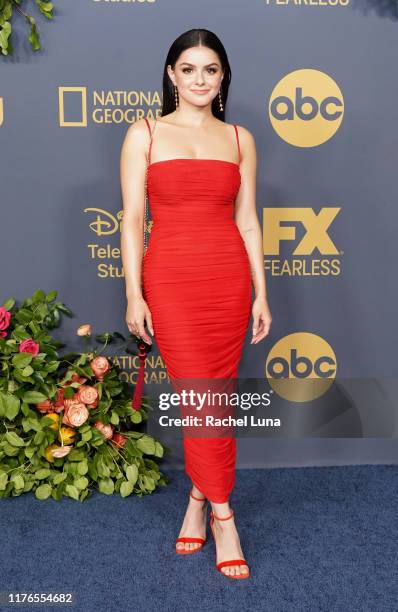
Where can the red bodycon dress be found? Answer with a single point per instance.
(197, 284)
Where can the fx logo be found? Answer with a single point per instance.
(315, 225)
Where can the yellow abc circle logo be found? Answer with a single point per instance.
(306, 108)
(301, 366)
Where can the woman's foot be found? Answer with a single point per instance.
(194, 523)
(228, 544)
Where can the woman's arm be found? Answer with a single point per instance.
(247, 221)
(132, 180)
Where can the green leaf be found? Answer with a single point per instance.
(3, 480)
(38, 296)
(42, 473)
(158, 449)
(14, 439)
(149, 482)
(76, 455)
(9, 450)
(136, 417)
(126, 488)
(59, 478)
(132, 473)
(8, 304)
(27, 371)
(43, 492)
(106, 485)
(21, 360)
(51, 295)
(72, 491)
(82, 467)
(9, 405)
(114, 418)
(81, 483)
(34, 397)
(18, 481)
(87, 436)
(147, 445)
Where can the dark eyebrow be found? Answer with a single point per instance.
(188, 64)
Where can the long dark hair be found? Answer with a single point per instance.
(194, 38)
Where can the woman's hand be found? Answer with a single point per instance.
(261, 319)
(136, 315)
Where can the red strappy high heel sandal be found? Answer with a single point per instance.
(231, 561)
(201, 541)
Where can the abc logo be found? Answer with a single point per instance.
(306, 108)
(301, 366)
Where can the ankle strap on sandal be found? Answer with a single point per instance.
(198, 498)
(221, 518)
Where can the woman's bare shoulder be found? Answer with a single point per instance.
(244, 132)
(137, 136)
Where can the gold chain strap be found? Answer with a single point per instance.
(146, 199)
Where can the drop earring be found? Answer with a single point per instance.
(220, 100)
(176, 95)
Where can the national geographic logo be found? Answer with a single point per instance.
(301, 366)
(306, 108)
(1, 111)
(78, 106)
(298, 242)
(155, 372)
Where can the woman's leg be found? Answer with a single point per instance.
(227, 540)
(194, 523)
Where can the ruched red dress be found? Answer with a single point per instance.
(197, 284)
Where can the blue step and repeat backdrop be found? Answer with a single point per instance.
(315, 82)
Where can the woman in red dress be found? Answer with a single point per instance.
(193, 288)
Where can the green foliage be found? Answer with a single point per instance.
(7, 10)
(34, 385)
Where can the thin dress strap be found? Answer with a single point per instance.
(237, 140)
(151, 137)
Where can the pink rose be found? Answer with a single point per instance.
(106, 430)
(46, 406)
(87, 394)
(60, 452)
(100, 366)
(29, 346)
(84, 330)
(75, 415)
(5, 317)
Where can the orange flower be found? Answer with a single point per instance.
(75, 415)
(87, 395)
(46, 406)
(119, 440)
(84, 330)
(100, 366)
(60, 451)
(106, 430)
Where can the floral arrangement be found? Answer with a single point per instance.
(67, 423)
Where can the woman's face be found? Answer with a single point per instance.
(197, 75)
